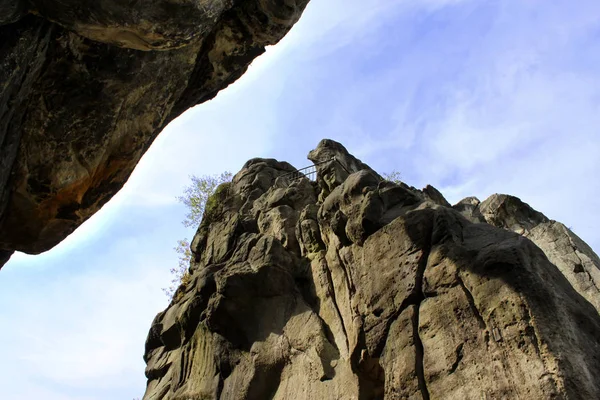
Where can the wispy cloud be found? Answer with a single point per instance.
(523, 116)
(474, 97)
(78, 319)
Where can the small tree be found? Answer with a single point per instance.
(194, 198)
(196, 195)
(180, 272)
(393, 176)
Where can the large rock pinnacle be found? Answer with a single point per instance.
(352, 287)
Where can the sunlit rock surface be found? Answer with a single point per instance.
(86, 86)
(352, 287)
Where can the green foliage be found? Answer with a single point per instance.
(202, 198)
(214, 204)
(393, 176)
(180, 273)
(196, 195)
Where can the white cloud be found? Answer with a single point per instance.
(78, 321)
(89, 340)
(523, 118)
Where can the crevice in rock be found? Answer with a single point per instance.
(307, 291)
(368, 370)
(471, 301)
(225, 365)
(233, 241)
(347, 275)
(331, 290)
(530, 330)
(220, 386)
(419, 297)
(459, 356)
(414, 298)
(410, 300)
(591, 280)
(183, 370)
(420, 353)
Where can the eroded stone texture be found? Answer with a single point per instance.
(86, 86)
(353, 287)
(573, 257)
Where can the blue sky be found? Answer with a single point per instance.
(474, 97)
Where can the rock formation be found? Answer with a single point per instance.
(86, 86)
(352, 287)
(573, 257)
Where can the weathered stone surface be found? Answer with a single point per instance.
(469, 208)
(381, 291)
(435, 196)
(87, 86)
(164, 24)
(573, 257)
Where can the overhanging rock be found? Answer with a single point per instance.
(86, 86)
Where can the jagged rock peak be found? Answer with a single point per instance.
(352, 287)
(88, 85)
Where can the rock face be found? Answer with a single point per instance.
(86, 86)
(573, 257)
(352, 287)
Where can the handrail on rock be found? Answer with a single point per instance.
(309, 172)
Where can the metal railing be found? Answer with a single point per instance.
(309, 172)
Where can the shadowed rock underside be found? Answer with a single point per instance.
(86, 86)
(352, 287)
